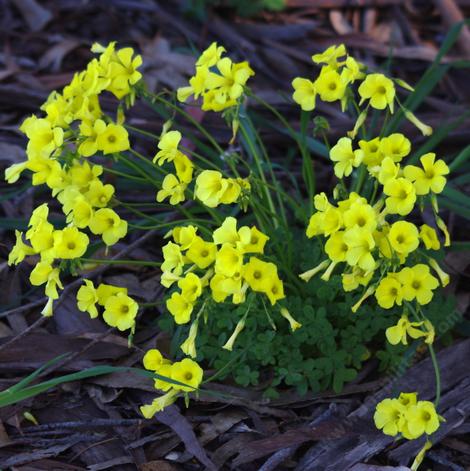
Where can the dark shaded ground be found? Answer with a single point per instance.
(93, 424)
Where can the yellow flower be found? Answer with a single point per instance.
(113, 139)
(305, 93)
(188, 372)
(228, 84)
(197, 85)
(43, 137)
(408, 399)
(420, 456)
(330, 56)
(104, 292)
(403, 237)
(371, 150)
(309, 274)
(158, 404)
(222, 286)
(379, 90)
(336, 248)
(345, 157)
(398, 333)
(82, 174)
(184, 168)
(109, 225)
(120, 311)
(396, 146)
(256, 242)
(227, 232)
(165, 372)
(430, 178)
(180, 308)
(168, 146)
(401, 196)
(232, 192)
(418, 283)
(210, 56)
(90, 131)
(153, 360)
(81, 213)
(191, 286)
(184, 236)
(188, 347)
(238, 328)
(19, 251)
(361, 215)
(358, 277)
(173, 188)
(70, 243)
(123, 72)
(360, 244)
(389, 292)
(172, 258)
(443, 276)
(390, 416)
(87, 297)
(332, 220)
(98, 194)
(210, 186)
(229, 260)
(329, 85)
(201, 253)
(14, 171)
(275, 290)
(294, 325)
(429, 237)
(258, 274)
(422, 418)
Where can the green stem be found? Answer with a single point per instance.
(193, 121)
(436, 373)
(121, 262)
(256, 157)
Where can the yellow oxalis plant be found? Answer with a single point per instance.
(365, 226)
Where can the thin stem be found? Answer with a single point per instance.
(436, 373)
(254, 152)
(121, 262)
(193, 121)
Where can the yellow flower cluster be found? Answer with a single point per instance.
(213, 189)
(359, 233)
(173, 186)
(334, 83)
(73, 129)
(51, 245)
(406, 416)
(339, 71)
(185, 376)
(218, 80)
(120, 310)
(223, 268)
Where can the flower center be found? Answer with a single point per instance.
(257, 274)
(71, 245)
